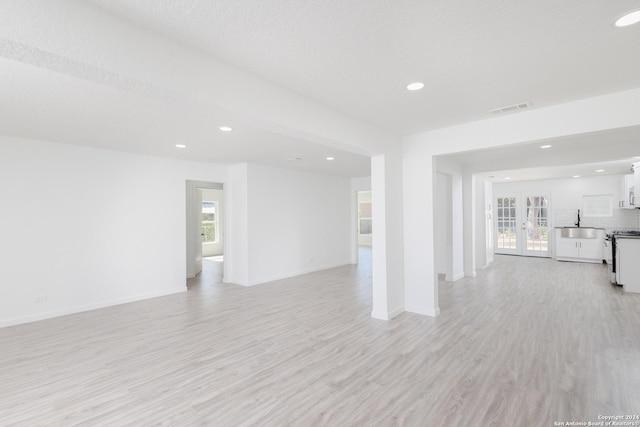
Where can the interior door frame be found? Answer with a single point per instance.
(198, 234)
(193, 212)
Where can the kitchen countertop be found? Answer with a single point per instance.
(573, 226)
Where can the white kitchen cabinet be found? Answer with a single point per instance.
(567, 248)
(636, 174)
(579, 250)
(627, 185)
(590, 249)
(627, 265)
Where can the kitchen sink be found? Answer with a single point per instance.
(579, 232)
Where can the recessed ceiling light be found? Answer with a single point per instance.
(576, 176)
(225, 129)
(415, 86)
(628, 19)
(181, 146)
(331, 158)
(545, 146)
(507, 177)
(599, 170)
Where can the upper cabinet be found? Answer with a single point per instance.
(627, 186)
(636, 184)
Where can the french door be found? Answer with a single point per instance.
(522, 224)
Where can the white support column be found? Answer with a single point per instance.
(443, 258)
(421, 281)
(387, 247)
(236, 247)
(469, 218)
(458, 213)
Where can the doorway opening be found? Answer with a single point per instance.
(205, 229)
(212, 223)
(364, 227)
(363, 242)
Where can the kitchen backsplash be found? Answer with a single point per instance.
(622, 219)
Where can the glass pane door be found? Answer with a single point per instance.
(537, 226)
(522, 225)
(506, 227)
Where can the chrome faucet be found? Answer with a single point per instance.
(578, 223)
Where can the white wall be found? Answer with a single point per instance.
(297, 222)
(450, 218)
(489, 211)
(480, 227)
(110, 227)
(468, 208)
(567, 197)
(484, 247)
(195, 79)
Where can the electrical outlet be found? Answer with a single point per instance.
(40, 298)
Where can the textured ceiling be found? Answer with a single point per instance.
(85, 106)
(63, 81)
(612, 151)
(358, 55)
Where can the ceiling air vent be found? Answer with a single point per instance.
(510, 108)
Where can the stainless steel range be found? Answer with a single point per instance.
(610, 248)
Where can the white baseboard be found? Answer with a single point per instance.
(453, 278)
(87, 307)
(395, 312)
(382, 315)
(426, 312)
(486, 265)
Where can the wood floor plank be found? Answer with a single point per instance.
(527, 342)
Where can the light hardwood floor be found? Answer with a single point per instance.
(526, 343)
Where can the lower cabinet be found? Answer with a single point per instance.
(627, 264)
(567, 248)
(579, 250)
